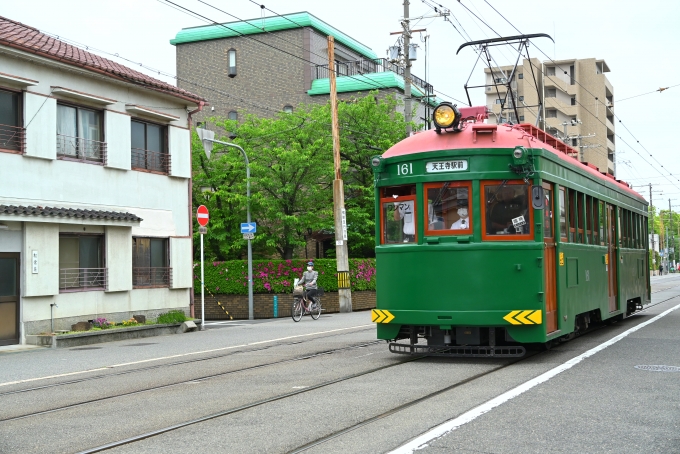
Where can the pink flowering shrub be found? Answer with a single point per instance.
(277, 276)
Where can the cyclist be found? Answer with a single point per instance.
(308, 279)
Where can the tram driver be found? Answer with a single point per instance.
(509, 205)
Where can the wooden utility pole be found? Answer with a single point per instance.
(407, 69)
(342, 259)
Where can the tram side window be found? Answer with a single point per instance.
(636, 230)
(506, 210)
(620, 233)
(589, 219)
(398, 214)
(448, 208)
(602, 223)
(581, 219)
(563, 215)
(596, 221)
(572, 215)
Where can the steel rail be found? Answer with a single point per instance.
(189, 361)
(191, 380)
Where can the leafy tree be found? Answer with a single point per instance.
(292, 172)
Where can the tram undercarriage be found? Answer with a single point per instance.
(457, 342)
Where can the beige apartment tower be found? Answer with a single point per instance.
(578, 104)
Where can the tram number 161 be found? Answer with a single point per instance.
(405, 169)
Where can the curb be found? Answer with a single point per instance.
(116, 334)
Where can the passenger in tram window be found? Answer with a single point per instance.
(509, 205)
(463, 223)
(405, 211)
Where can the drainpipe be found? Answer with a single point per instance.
(191, 211)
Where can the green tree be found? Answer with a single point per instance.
(292, 171)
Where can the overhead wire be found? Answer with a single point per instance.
(594, 116)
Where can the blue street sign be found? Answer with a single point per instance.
(248, 227)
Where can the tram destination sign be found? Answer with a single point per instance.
(446, 166)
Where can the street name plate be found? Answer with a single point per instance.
(248, 236)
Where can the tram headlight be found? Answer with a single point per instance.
(520, 156)
(377, 163)
(445, 116)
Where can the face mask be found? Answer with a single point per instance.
(463, 212)
(309, 268)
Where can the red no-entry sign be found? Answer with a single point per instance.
(202, 215)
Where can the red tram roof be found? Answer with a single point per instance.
(482, 135)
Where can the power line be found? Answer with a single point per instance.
(659, 90)
(594, 116)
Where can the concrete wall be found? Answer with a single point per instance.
(236, 306)
(43, 238)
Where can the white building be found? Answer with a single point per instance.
(95, 188)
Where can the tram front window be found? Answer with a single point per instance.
(448, 206)
(506, 209)
(398, 205)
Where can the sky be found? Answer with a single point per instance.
(638, 40)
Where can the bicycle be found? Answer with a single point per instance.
(306, 305)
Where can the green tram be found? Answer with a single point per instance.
(494, 236)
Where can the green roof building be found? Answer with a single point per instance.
(273, 64)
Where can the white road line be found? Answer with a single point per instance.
(180, 355)
(422, 441)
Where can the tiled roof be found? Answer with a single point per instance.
(68, 213)
(19, 36)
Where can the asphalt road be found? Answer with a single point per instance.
(328, 386)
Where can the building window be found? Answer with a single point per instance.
(80, 134)
(81, 263)
(499, 101)
(149, 147)
(551, 113)
(150, 264)
(12, 135)
(551, 93)
(573, 100)
(521, 118)
(288, 108)
(232, 115)
(550, 70)
(231, 57)
(520, 76)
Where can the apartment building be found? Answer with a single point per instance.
(273, 64)
(578, 104)
(95, 172)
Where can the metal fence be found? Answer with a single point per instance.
(79, 149)
(77, 278)
(359, 67)
(155, 161)
(152, 277)
(12, 138)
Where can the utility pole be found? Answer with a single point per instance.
(651, 206)
(407, 69)
(670, 227)
(342, 259)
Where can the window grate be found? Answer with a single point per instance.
(82, 278)
(146, 277)
(12, 138)
(79, 149)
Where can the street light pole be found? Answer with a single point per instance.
(207, 138)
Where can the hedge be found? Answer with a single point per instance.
(276, 276)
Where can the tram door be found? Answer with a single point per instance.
(549, 259)
(9, 298)
(611, 256)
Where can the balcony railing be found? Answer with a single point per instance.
(359, 67)
(12, 138)
(82, 278)
(79, 149)
(151, 277)
(155, 161)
